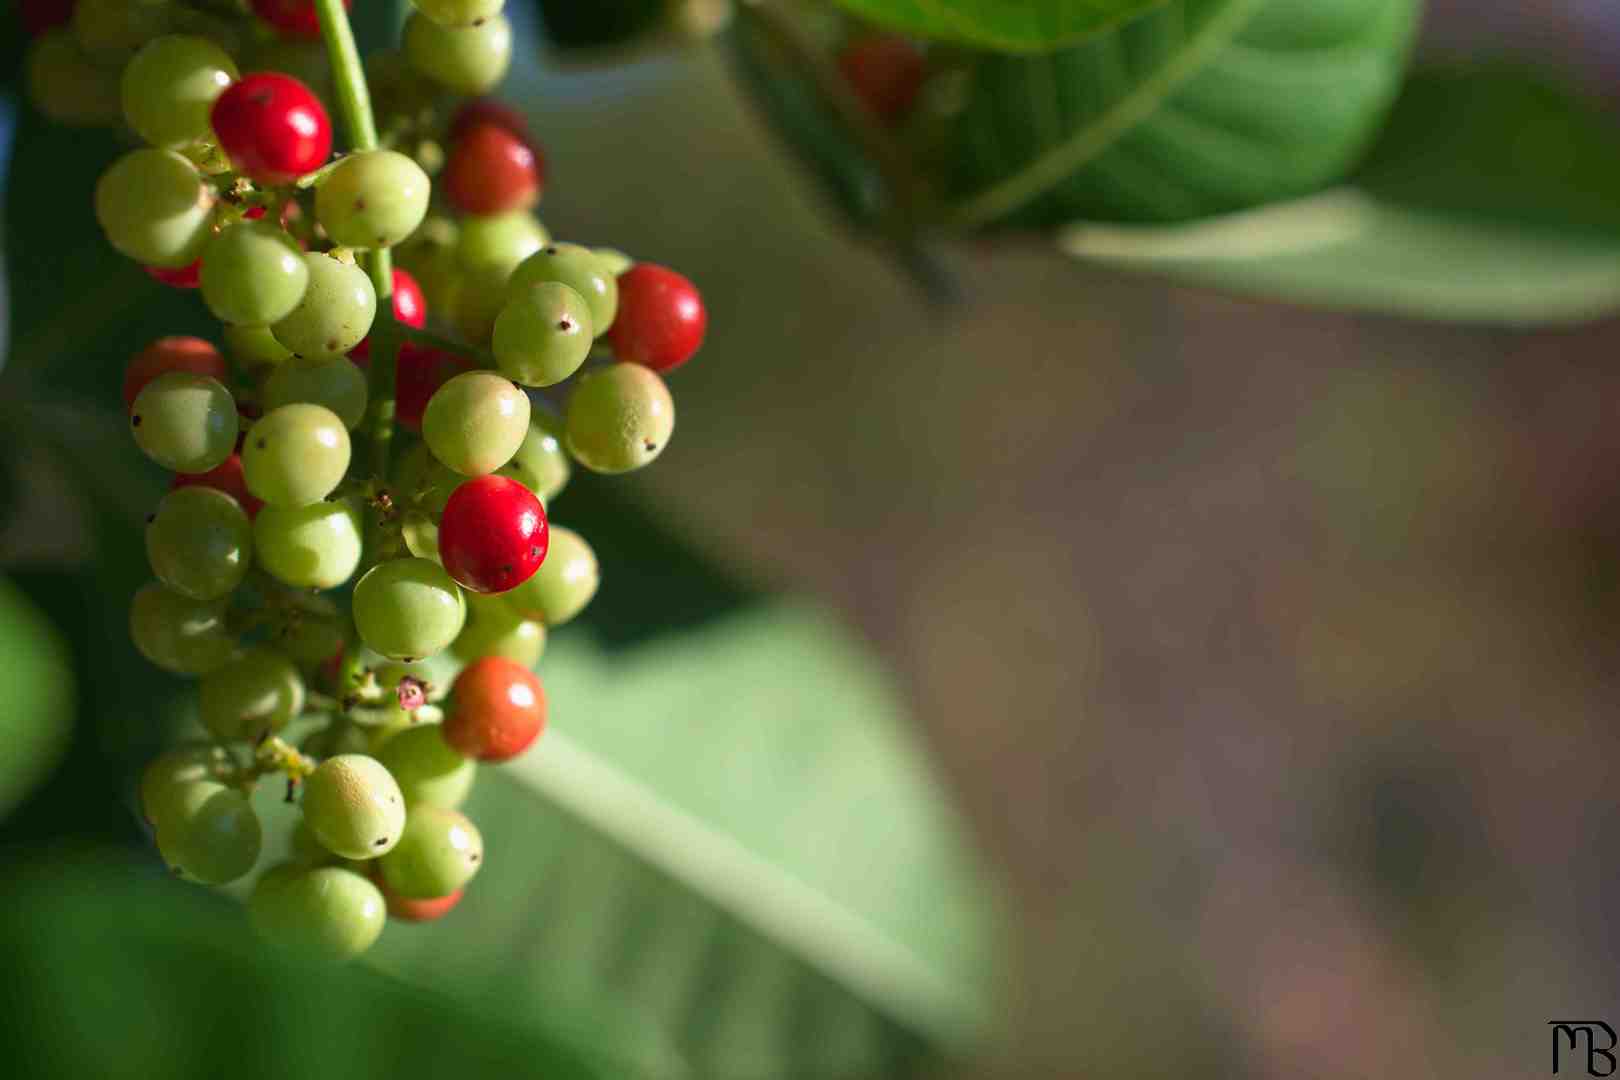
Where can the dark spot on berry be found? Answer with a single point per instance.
(552, 250)
(650, 445)
(565, 325)
(260, 443)
(135, 421)
(332, 346)
(534, 553)
(360, 204)
(410, 660)
(260, 97)
(382, 241)
(151, 518)
(381, 840)
(473, 857)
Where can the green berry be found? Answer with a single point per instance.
(459, 12)
(170, 86)
(540, 463)
(256, 694)
(562, 586)
(324, 911)
(429, 771)
(178, 633)
(406, 609)
(467, 60)
(185, 422)
(373, 199)
(475, 422)
(310, 547)
(620, 418)
(503, 240)
(427, 480)
(612, 260)
(199, 542)
(255, 347)
(210, 833)
(543, 334)
(354, 806)
(494, 629)
(335, 312)
(155, 208)
(439, 853)
(582, 270)
(67, 87)
(338, 385)
(163, 781)
(253, 274)
(112, 31)
(295, 455)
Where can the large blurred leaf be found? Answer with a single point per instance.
(999, 24)
(1200, 107)
(1493, 196)
(727, 845)
(113, 971)
(36, 684)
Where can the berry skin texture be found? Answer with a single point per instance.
(296, 455)
(419, 373)
(67, 86)
(406, 609)
(405, 909)
(309, 547)
(184, 421)
(372, 199)
(439, 853)
(497, 710)
(619, 418)
(253, 274)
(562, 586)
(335, 313)
(170, 86)
(294, 18)
(210, 833)
(466, 60)
(155, 208)
(178, 353)
(459, 12)
(336, 384)
(581, 269)
(490, 170)
(354, 806)
(543, 334)
(475, 422)
(429, 770)
(226, 477)
(162, 780)
(886, 72)
(328, 912)
(540, 464)
(177, 633)
(492, 536)
(199, 542)
(272, 127)
(410, 308)
(252, 696)
(661, 319)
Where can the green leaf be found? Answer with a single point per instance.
(36, 685)
(1199, 108)
(117, 971)
(1489, 199)
(1025, 26)
(727, 852)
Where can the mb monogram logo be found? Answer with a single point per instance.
(1568, 1035)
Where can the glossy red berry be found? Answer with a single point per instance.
(497, 710)
(40, 15)
(410, 308)
(408, 910)
(418, 374)
(185, 277)
(489, 111)
(226, 477)
(168, 354)
(661, 319)
(491, 170)
(493, 534)
(272, 127)
(886, 71)
(295, 18)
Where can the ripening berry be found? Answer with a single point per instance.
(419, 373)
(273, 127)
(492, 536)
(497, 710)
(226, 477)
(177, 353)
(886, 72)
(410, 308)
(490, 171)
(661, 319)
(294, 18)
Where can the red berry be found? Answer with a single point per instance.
(886, 71)
(491, 170)
(489, 111)
(295, 18)
(168, 354)
(661, 319)
(226, 477)
(497, 710)
(403, 907)
(183, 278)
(418, 374)
(493, 534)
(272, 127)
(410, 308)
(40, 15)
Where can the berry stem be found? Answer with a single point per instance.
(354, 105)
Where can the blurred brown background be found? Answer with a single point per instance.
(1271, 651)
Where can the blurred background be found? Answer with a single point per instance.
(1085, 676)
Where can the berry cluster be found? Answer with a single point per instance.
(364, 628)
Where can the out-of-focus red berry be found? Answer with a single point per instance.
(295, 18)
(410, 308)
(226, 477)
(490, 170)
(886, 71)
